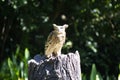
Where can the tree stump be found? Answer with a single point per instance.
(63, 67)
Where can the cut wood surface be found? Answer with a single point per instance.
(63, 67)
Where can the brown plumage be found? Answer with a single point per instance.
(55, 41)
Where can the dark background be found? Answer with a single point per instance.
(94, 30)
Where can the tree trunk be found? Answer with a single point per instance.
(63, 67)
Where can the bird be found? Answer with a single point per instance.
(55, 41)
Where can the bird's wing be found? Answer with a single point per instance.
(49, 40)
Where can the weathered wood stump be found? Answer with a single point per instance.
(64, 67)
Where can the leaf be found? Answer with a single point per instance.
(93, 73)
(26, 53)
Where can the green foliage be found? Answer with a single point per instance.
(94, 31)
(12, 70)
(119, 73)
(93, 73)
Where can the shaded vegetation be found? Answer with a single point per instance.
(94, 31)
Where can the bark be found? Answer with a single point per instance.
(63, 67)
